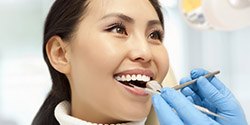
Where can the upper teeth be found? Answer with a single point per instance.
(128, 78)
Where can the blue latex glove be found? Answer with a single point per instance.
(209, 93)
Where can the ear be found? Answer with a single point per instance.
(59, 54)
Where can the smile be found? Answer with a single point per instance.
(135, 77)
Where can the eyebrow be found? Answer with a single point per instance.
(129, 19)
(119, 15)
(154, 22)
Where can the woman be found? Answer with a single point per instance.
(93, 49)
(88, 43)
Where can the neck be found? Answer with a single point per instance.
(88, 113)
(62, 114)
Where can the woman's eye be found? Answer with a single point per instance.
(118, 28)
(156, 35)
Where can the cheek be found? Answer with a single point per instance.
(89, 53)
(93, 65)
(95, 59)
(162, 62)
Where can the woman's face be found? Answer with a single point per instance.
(117, 41)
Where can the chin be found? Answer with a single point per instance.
(135, 115)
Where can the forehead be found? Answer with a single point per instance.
(132, 8)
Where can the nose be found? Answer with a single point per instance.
(140, 50)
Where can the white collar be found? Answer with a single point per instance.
(62, 112)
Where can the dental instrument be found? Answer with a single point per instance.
(153, 87)
(177, 87)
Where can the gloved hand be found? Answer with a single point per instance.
(209, 93)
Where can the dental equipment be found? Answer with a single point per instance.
(177, 87)
(222, 15)
(153, 87)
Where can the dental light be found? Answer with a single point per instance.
(225, 15)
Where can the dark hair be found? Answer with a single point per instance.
(62, 20)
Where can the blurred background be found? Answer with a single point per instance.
(25, 80)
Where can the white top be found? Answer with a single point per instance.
(62, 114)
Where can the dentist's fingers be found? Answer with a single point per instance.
(187, 79)
(190, 99)
(188, 92)
(191, 94)
(196, 73)
(164, 112)
(196, 99)
(184, 107)
(211, 93)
